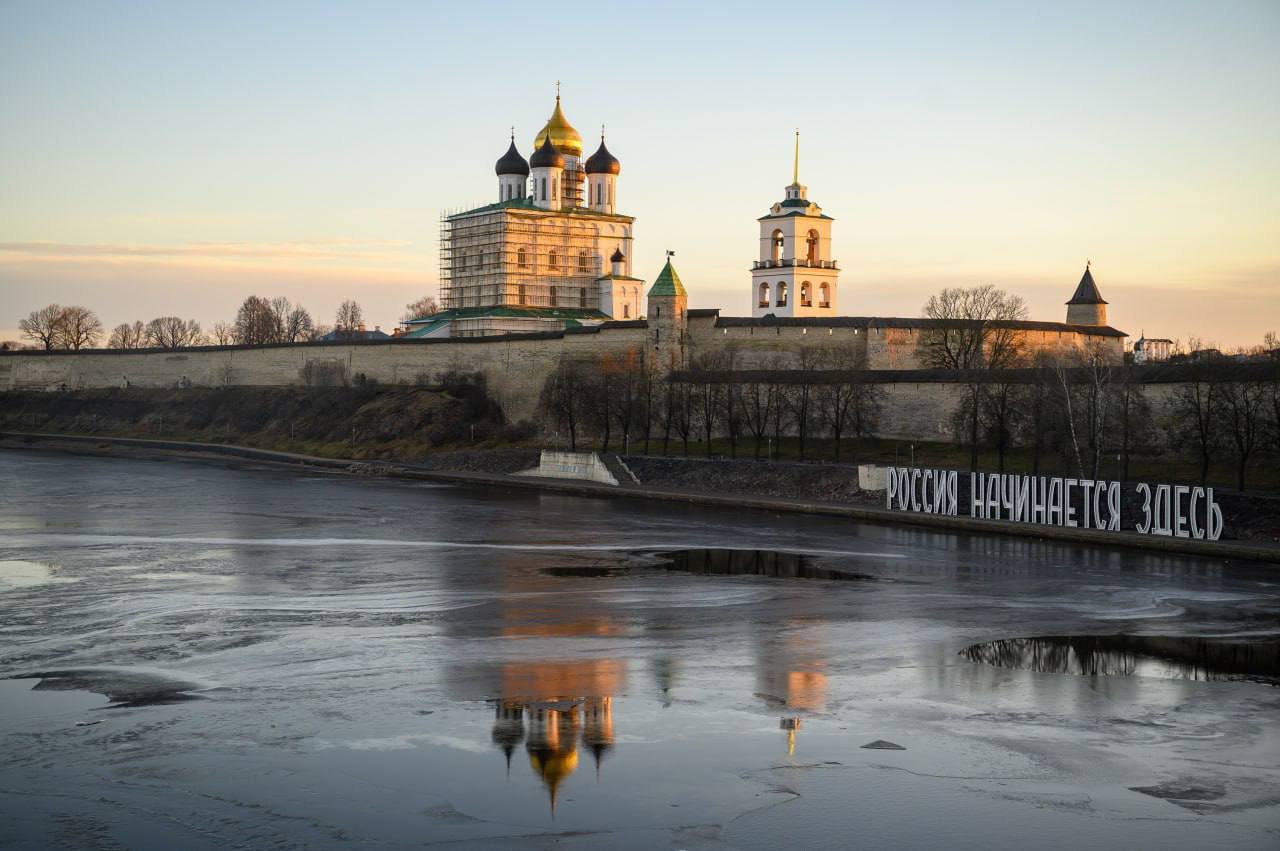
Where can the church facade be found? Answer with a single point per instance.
(552, 252)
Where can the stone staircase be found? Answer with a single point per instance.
(620, 470)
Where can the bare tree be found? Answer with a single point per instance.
(973, 328)
(1132, 415)
(256, 323)
(172, 332)
(349, 316)
(126, 336)
(564, 397)
(758, 401)
(424, 306)
(43, 326)
(223, 334)
(1243, 408)
(79, 328)
(1085, 381)
(1193, 414)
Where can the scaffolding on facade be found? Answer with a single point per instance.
(519, 257)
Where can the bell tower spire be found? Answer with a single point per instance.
(795, 169)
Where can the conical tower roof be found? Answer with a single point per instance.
(668, 282)
(1087, 290)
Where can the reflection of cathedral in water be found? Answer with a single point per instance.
(572, 710)
(552, 731)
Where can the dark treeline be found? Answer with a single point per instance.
(1079, 413)
(625, 404)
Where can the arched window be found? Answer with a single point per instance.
(764, 295)
(806, 295)
(782, 294)
(626, 311)
(553, 261)
(610, 194)
(522, 259)
(824, 294)
(776, 248)
(521, 295)
(582, 261)
(812, 246)
(543, 188)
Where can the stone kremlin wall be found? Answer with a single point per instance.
(516, 367)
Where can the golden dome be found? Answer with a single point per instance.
(563, 136)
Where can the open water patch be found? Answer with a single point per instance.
(771, 563)
(1163, 657)
(715, 561)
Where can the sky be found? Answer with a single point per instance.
(173, 158)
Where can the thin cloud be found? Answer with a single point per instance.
(304, 249)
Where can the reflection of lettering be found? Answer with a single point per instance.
(1179, 511)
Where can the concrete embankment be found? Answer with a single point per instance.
(132, 447)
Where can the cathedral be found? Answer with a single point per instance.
(552, 252)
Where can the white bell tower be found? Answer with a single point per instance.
(795, 274)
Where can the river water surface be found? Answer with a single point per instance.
(201, 657)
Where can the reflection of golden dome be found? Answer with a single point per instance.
(563, 136)
(553, 767)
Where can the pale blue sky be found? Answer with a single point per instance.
(167, 157)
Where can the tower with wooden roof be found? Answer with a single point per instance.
(1087, 306)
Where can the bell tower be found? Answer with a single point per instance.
(795, 274)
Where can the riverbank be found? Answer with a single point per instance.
(499, 470)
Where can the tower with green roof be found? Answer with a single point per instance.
(668, 318)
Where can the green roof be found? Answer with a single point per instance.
(668, 282)
(526, 204)
(567, 313)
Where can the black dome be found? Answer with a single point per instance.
(617, 256)
(512, 163)
(547, 156)
(603, 162)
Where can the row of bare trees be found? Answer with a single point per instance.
(1084, 404)
(259, 321)
(59, 327)
(621, 400)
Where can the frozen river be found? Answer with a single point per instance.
(204, 657)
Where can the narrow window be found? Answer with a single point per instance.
(522, 259)
(782, 294)
(824, 295)
(806, 295)
(543, 189)
(812, 245)
(764, 295)
(626, 311)
(777, 246)
(553, 261)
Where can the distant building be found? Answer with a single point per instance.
(340, 335)
(1151, 350)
